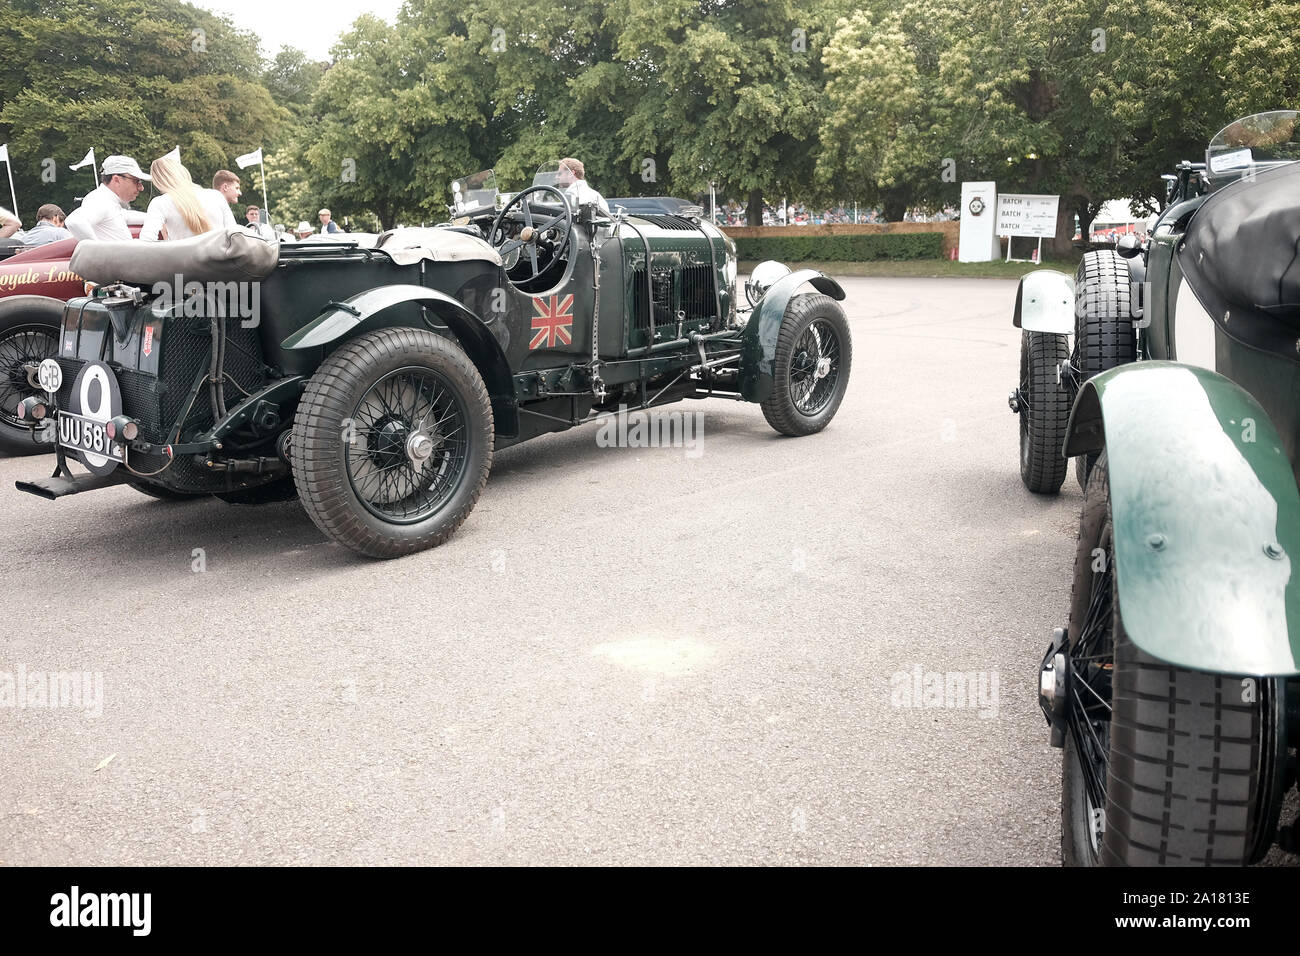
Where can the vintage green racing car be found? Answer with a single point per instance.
(1175, 686)
(375, 380)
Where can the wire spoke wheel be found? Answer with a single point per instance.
(815, 369)
(20, 346)
(409, 446)
(811, 365)
(392, 442)
(1090, 688)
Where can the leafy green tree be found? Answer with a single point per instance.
(1088, 99)
(292, 78)
(123, 76)
(387, 118)
(882, 134)
(1094, 99)
(730, 92)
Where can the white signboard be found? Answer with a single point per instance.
(1032, 216)
(977, 242)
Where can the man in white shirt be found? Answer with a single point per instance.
(572, 179)
(101, 214)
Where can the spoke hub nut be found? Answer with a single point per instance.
(419, 448)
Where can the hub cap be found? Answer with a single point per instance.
(419, 448)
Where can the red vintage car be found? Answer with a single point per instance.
(35, 282)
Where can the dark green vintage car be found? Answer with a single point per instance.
(1174, 687)
(374, 380)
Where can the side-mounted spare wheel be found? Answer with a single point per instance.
(814, 354)
(29, 332)
(392, 442)
(1044, 408)
(1104, 336)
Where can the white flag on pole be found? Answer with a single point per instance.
(174, 154)
(89, 158)
(249, 159)
(4, 153)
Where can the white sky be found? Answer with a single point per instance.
(310, 25)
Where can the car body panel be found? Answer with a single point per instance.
(345, 318)
(1206, 516)
(42, 270)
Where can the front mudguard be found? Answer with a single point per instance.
(758, 341)
(342, 319)
(1045, 302)
(1205, 515)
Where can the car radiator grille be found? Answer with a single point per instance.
(665, 221)
(689, 289)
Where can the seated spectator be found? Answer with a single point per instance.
(303, 231)
(48, 228)
(9, 223)
(255, 225)
(183, 209)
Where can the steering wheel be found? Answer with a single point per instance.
(529, 235)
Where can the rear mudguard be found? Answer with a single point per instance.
(1206, 517)
(344, 318)
(758, 341)
(1045, 302)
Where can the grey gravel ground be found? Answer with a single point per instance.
(624, 656)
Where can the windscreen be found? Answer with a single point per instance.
(474, 191)
(1258, 141)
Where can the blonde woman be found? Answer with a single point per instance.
(183, 210)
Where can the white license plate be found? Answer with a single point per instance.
(87, 435)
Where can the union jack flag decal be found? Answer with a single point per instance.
(553, 324)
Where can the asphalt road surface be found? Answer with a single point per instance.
(655, 655)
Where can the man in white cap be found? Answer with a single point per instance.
(101, 214)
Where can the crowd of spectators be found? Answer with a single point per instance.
(734, 213)
(181, 209)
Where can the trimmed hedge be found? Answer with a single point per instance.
(862, 248)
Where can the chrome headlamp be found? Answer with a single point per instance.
(762, 278)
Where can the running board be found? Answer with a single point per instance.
(58, 487)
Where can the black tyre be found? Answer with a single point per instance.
(814, 354)
(1104, 336)
(1163, 766)
(29, 332)
(1044, 411)
(392, 442)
